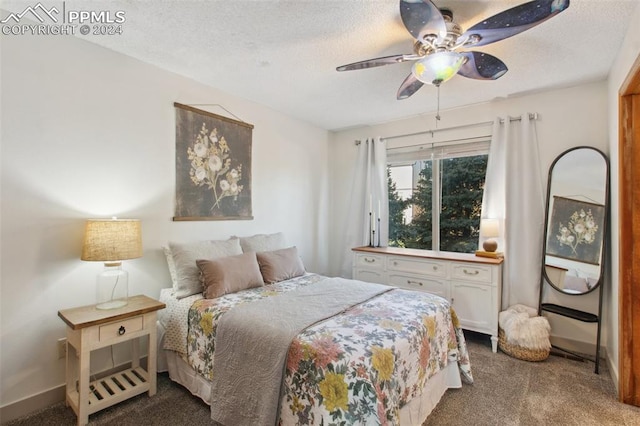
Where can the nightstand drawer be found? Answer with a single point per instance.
(120, 328)
(469, 272)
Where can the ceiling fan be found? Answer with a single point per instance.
(438, 39)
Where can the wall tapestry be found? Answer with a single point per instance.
(576, 230)
(213, 166)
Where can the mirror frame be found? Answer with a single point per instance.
(605, 233)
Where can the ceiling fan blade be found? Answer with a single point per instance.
(513, 21)
(422, 18)
(482, 66)
(409, 86)
(377, 62)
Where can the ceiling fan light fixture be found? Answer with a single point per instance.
(438, 67)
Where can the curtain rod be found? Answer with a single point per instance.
(532, 116)
(459, 141)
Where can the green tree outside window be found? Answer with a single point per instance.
(462, 184)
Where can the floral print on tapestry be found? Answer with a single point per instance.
(213, 166)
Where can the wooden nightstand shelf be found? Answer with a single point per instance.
(89, 329)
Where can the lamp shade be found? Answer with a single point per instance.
(490, 228)
(437, 67)
(110, 240)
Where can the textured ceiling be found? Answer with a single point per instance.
(283, 54)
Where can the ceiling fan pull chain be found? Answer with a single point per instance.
(438, 106)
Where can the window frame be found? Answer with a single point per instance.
(411, 155)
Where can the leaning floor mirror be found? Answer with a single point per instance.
(576, 233)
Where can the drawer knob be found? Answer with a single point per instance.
(121, 330)
(414, 282)
(476, 272)
(435, 268)
(369, 260)
(395, 263)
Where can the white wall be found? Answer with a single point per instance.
(628, 54)
(88, 132)
(568, 117)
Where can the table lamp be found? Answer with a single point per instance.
(111, 241)
(490, 229)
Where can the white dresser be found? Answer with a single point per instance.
(472, 284)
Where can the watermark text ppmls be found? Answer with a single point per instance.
(54, 18)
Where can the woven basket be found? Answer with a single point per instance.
(520, 352)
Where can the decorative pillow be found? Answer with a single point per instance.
(171, 265)
(263, 242)
(229, 274)
(185, 256)
(280, 265)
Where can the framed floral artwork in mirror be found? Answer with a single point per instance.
(213, 166)
(575, 230)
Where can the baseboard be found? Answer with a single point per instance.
(578, 346)
(49, 397)
(613, 370)
(32, 404)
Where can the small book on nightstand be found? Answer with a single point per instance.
(491, 254)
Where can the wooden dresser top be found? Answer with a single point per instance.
(429, 254)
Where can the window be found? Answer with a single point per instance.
(435, 196)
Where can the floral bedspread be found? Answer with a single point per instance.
(361, 366)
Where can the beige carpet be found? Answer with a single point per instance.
(506, 391)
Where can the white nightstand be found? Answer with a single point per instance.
(89, 329)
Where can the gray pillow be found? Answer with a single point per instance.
(280, 265)
(263, 242)
(229, 274)
(185, 256)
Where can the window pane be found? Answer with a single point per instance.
(400, 186)
(411, 216)
(419, 232)
(462, 181)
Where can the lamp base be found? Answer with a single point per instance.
(112, 304)
(490, 245)
(113, 287)
(490, 254)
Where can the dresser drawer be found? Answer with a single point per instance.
(420, 283)
(370, 275)
(471, 272)
(120, 328)
(369, 261)
(432, 268)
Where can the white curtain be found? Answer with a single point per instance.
(514, 195)
(369, 202)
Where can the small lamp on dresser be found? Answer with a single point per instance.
(489, 229)
(111, 241)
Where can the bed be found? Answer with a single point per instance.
(386, 358)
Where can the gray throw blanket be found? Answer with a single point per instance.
(253, 339)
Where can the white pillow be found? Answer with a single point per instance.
(184, 257)
(263, 242)
(171, 265)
